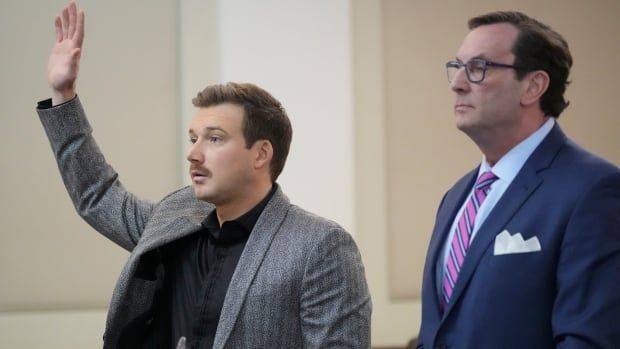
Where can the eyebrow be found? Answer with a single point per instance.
(208, 129)
(478, 56)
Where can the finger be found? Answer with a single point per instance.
(65, 23)
(58, 28)
(79, 29)
(72, 18)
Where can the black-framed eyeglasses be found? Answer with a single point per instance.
(475, 68)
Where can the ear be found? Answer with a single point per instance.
(264, 154)
(535, 85)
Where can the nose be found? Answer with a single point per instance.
(459, 83)
(194, 155)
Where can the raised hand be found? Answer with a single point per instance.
(63, 63)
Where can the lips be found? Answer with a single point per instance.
(198, 175)
(462, 106)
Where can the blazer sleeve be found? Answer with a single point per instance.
(335, 305)
(93, 185)
(587, 307)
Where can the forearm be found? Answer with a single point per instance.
(91, 182)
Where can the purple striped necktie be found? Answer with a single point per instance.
(462, 235)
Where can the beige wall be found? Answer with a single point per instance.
(49, 258)
(56, 273)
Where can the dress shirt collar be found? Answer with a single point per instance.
(507, 168)
(245, 222)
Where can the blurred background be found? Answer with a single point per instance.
(374, 145)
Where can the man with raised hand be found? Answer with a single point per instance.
(228, 262)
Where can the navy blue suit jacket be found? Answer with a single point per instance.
(568, 294)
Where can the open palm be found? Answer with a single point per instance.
(63, 63)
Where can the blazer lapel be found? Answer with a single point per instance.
(521, 188)
(258, 243)
(445, 216)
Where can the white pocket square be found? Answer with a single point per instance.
(508, 244)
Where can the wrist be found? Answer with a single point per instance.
(62, 96)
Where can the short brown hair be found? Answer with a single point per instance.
(264, 118)
(538, 47)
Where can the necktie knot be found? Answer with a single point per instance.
(486, 179)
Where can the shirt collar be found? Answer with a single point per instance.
(510, 164)
(246, 222)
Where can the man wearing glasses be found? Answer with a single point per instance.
(525, 252)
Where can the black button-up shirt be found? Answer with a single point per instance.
(199, 268)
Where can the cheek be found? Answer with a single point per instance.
(487, 93)
(496, 98)
(227, 160)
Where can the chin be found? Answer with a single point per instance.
(202, 194)
(464, 123)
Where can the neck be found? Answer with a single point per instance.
(232, 210)
(499, 142)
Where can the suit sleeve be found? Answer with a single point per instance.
(93, 185)
(586, 313)
(335, 302)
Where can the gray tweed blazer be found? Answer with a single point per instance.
(299, 282)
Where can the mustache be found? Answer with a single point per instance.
(199, 170)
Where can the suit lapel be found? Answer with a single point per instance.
(258, 243)
(521, 188)
(513, 198)
(445, 216)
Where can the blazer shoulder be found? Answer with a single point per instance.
(311, 221)
(580, 167)
(582, 157)
(306, 230)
